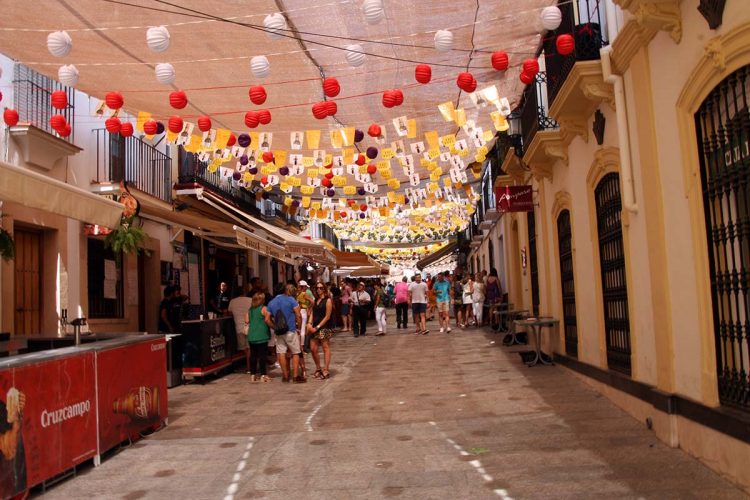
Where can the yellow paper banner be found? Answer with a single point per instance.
(143, 117)
(313, 138)
(447, 110)
(432, 139)
(222, 137)
(411, 128)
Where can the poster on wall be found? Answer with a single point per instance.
(514, 199)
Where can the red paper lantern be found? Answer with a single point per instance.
(331, 87)
(175, 124)
(374, 130)
(361, 159)
(320, 110)
(113, 125)
(178, 99)
(327, 182)
(1, 96)
(389, 99)
(10, 116)
(65, 131)
(126, 129)
(232, 140)
(399, 97)
(329, 175)
(328, 165)
(264, 180)
(252, 119)
(114, 100)
(466, 82)
(257, 94)
(331, 108)
(268, 157)
(363, 207)
(59, 99)
(527, 78)
(500, 60)
(342, 214)
(204, 123)
(57, 121)
(150, 127)
(264, 116)
(423, 73)
(372, 169)
(566, 44)
(531, 66)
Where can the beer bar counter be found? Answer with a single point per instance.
(209, 346)
(61, 407)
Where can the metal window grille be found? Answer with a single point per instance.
(32, 93)
(534, 273)
(614, 286)
(723, 126)
(100, 307)
(565, 248)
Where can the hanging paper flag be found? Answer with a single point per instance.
(143, 117)
(313, 138)
(460, 117)
(400, 125)
(499, 121)
(411, 128)
(447, 110)
(337, 141)
(394, 184)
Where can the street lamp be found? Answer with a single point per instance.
(515, 132)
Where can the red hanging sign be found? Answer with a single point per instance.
(514, 199)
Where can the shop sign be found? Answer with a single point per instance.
(514, 198)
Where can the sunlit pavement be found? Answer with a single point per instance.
(402, 416)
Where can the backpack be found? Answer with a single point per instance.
(280, 326)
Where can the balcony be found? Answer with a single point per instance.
(131, 160)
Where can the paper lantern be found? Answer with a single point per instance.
(331, 192)
(372, 169)
(264, 116)
(295, 203)
(59, 43)
(114, 100)
(443, 40)
(326, 182)
(328, 165)
(331, 87)
(175, 124)
(244, 140)
(372, 152)
(257, 94)
(342, 214)
(253, 170)
(320, 110)
(204, 123)
(59, 99)
(374, 130)
(157, 38)
(68, 75)
(164, 73)
(284, 171)
(551, 17)
(159, 128)
(399, 96)
(65, 131)
(358, 135)
(355, 55)
(232, 140)
(360, 159)
(275, 25)
(363, 207)
(531, 66)
(126, 129)
(236, 175)
(264, 180)
(113, 125)
(466, 82)
(329, 175)
(58, 122)
(361, 191)
(268, 157)
(423, 73)
(373, 11)
(389, 99)
(10, 117)
(244, 160)
(252, 119)
(260, 66)
(500, 60)
(526, 78)
(178, 99)
(352, 203)
(150, 127)
(331, 108)
(565, 44)
(362, 215)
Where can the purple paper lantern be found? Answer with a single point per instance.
(361, 191)
(295, 203)
(159, 128)
(358, 135)
(372, 152)
(253, 170)
(244, 140)
(244, 160)
(362, 215)
(406, 200)
(284, 170)
(236, 175)
(331, 192)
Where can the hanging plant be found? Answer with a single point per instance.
(127, 237)
(7, 245)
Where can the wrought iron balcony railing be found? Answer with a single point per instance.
(32, 93)
(535, 110)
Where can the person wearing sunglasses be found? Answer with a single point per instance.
(320, 330)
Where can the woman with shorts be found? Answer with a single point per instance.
(320, 330)
(346, 306)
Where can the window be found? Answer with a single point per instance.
(612, 261)
(565, 248)
(105, 281)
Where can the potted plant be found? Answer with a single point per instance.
(128, 237)
(7, 245)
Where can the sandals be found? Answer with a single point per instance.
(325, 375)
(318, 374)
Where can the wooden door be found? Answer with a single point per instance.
(28, 281)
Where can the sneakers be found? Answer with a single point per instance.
(442, 329)
(448, 330)
(425, 332)
(379, 334)
(265, 378)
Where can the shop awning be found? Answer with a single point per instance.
(31, 189)
(432, 258)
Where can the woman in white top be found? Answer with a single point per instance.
(468, 301)
(478, 299)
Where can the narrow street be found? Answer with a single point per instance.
(436, 416)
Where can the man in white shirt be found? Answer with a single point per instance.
(238, 308)
(418, 301)
(361, 307)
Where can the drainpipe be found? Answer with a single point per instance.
(626, 168)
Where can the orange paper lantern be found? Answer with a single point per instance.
(374, 130)
(565, 44)
(150, 127)
(10, 116)
(264, 116)
(320, 110)
(58, 121)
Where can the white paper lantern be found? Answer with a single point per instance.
(157, 38)
(260, 66)
(68, 75)
(354, 55)
(443, 40)
(164, 73)
(551, 17)
(373, 11)
(59, 43)
(275, 23)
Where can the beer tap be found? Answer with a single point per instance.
(63, 321)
